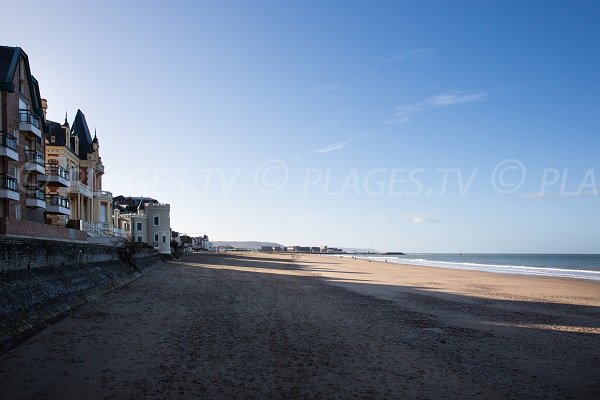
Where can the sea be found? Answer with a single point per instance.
(580, 266)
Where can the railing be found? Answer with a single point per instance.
(102, 229)
(56, 200)
(8, 182)
(27, 117)
(103, 194)
(34, 192)
(34, 156)
(55, 169)
(82, 188)
(8, 140)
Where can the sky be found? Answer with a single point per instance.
(416, 126)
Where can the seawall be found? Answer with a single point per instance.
(41, 280)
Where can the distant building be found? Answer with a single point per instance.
(145, 220)
(267, 249)
(204, 243)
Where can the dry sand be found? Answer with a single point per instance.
(282, 326)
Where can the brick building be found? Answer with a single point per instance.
(25, 206)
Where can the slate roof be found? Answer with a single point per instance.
(9, 60)
(54, 129)
(8, 63)
(130, 204)
(80, 128)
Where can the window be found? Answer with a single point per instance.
(164, 239)
(139, 226)
(156, 220)
(139, 239)
(156, 237)
(103, 212)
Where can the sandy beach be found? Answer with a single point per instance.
(300, 326)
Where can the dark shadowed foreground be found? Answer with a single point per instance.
(242, 327)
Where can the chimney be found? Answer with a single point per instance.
(44, 106)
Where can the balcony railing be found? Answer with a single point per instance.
(34, 192)
(56, 200)
(103, 194)
(27, 117)
(34, 156)
(57, 170)
(8, 182)
(81, 188)
(8, 140)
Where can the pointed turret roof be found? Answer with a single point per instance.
(80, 128)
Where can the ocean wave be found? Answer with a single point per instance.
(505, 269)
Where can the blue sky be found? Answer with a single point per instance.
(416, 126)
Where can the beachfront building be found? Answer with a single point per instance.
(205, 244)
(75, 172)
(25, 206)
(21, 140)
(144, 220)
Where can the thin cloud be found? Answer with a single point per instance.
(413, 218)
(328, 87)
(579, 193)
(415, 54)
(334, 147)
(452, 98)
(422, 219)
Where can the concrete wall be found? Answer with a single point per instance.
(11, 227)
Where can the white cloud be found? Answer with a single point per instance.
(328, 87)
(422, 219)
(335, 146)
(413, 218)
(406, 112)
(410, 55)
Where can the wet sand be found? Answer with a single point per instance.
(282, 326)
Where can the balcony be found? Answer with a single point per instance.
(9, 188)
(103, 195)
(8, 146)
(29, 122)
(35, 197)
(55, 175)
(56, 204)
(34, 161)
(78, 187)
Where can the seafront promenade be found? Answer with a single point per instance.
(285, 326)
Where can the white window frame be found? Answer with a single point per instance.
(156, 237)
(154, 219)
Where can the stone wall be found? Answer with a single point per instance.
(75, 273)
(23, 253)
